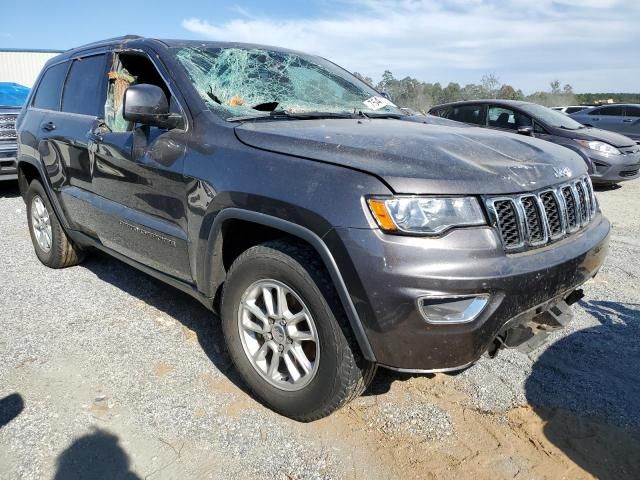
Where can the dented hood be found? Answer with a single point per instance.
(418, 158)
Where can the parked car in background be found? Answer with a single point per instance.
(619, 118)
(12, 97)
(610, 157)
(332, 234)
(570, 108)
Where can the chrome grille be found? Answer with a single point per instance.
(555, 218)
(8, 126)
(507, 222)
(534, 219)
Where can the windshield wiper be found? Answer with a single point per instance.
(380, 115)
(284, 114)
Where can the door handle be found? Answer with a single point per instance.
(628, 120)
(49, 126)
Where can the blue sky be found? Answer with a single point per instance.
(592, 44)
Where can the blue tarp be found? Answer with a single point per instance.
(12, 94)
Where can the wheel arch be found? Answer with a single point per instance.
(218, 257)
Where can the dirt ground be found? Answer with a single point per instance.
(106, 373)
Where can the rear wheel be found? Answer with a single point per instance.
(51, 244)
(287, 333)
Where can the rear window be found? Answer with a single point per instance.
(468, 114)
(633, 112)
(85, 90)
(48, 93)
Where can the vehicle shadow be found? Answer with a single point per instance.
(9, 190)
(188, 311)
(606, 187)
(10, 407)
(97, 456)
(586, 388)
(205, 324)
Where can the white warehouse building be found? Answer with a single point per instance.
(23, 66)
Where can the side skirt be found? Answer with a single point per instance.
(185, 287)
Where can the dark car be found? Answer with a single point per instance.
(619, 118)
(610, 157)
(12, 97)
(332, 234)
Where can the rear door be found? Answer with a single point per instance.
(64, 143)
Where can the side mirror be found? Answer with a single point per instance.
(147, 104)
(528, 131)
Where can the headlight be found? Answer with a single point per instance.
(425, 215)
(599, 147)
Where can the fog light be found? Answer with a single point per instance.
(455, 309)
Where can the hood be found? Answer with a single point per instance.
(418, 158)
(589, 133)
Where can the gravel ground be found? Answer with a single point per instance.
(107, 373)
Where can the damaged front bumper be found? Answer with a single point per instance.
(530, 330)
(524, 289)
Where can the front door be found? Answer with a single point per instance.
(136, 174)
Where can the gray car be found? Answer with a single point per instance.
(619, 118)
(610, 157)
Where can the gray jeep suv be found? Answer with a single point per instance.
(332, 233)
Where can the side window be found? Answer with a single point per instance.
(537, 128)
(500, 117)
(440, 112)
(632, 112)
(597, 111)
(616, 111)
(467, 113)
(574, 109)
(48, 94)
(126, 70)
(84, 91)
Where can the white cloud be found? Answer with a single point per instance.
(525, 43)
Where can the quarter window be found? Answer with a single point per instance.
(85, 90)
(48, 94)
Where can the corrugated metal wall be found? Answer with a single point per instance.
(22, 67)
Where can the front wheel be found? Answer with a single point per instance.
(287, 333)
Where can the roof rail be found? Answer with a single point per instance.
(106, 40)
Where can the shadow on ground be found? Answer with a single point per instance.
(96, 456)
(606, 187)
(10, 407)
(188, 311)
(586, 387)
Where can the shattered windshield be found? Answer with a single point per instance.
(253, 82)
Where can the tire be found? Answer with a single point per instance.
(43, 221)
(337, 371)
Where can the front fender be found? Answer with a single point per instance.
(213, 275)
